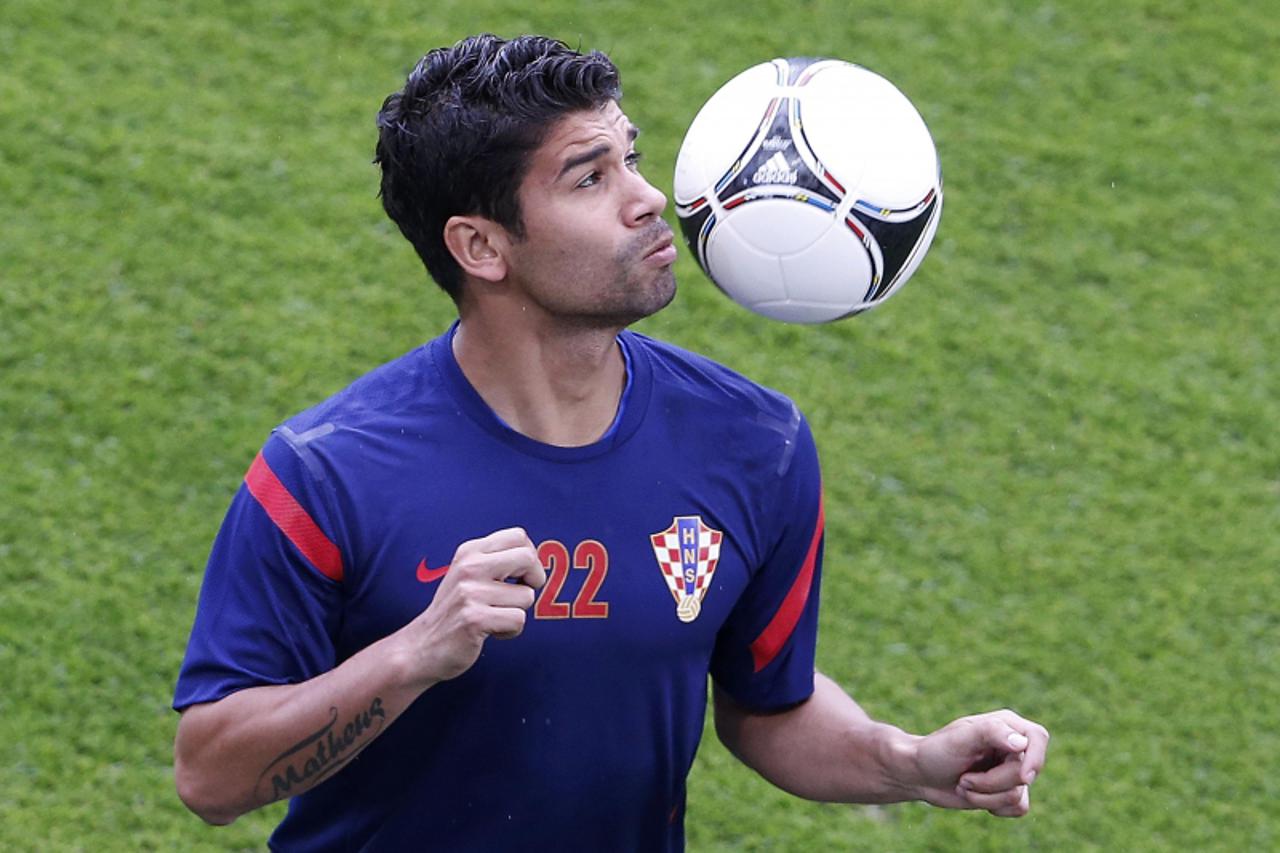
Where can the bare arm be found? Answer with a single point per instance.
(829, 749)
(266, 743)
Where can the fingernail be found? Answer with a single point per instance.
(1031, 776)
(1017, 741)
(966, 784)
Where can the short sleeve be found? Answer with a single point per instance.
(764, 654)
(271, 602)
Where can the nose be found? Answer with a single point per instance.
(647, 201)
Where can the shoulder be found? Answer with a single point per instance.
(721, 411)
(376, 419)
(693, 380)
(332, 457)
(382, 392)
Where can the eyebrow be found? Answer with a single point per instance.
(593, 154)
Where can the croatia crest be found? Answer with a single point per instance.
(687, 553)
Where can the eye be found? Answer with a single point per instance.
(633, 159)
(590, 180)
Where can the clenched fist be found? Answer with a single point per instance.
(488, 589)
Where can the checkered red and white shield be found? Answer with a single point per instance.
(687, 553)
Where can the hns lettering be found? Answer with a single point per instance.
(327, 749)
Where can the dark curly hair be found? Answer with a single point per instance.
(457, 139)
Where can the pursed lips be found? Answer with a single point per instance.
(665, 245)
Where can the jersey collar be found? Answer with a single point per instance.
(631, 407)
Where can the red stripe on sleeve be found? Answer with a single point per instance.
(294, 521)
(775, 635)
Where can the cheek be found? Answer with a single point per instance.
(578, 243)
(562, 239)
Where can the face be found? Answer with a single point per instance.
(595, 249)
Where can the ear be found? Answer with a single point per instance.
(477, 244)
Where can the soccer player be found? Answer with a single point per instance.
(472, 601)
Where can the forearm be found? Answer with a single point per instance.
(266, 743)
(826, 749)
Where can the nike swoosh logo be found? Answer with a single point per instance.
(426, 575)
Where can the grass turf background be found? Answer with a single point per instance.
(1053, 473)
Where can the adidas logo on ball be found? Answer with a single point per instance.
(776, 170)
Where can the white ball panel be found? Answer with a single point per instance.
(779, 226)
(721, 130)
(833, 122)
(835, 269)
(741, 269)
(861, 126)
(800, 312)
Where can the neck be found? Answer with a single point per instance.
(557, 385)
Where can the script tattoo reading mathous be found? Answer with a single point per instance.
(323, 752)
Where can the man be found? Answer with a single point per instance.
(471, 602)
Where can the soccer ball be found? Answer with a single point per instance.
(808, 189)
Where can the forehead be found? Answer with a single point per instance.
(585, 129)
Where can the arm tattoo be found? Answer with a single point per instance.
(323, 752)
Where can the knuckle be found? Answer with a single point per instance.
(532, 566)
(517, 623)
(474, 616)
(463, 566)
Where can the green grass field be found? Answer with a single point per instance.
(1052, 462)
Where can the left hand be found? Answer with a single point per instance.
(987, 761)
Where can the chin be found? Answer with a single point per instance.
(664, 290)
(659, 297)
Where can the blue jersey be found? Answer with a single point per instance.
(686, 542)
